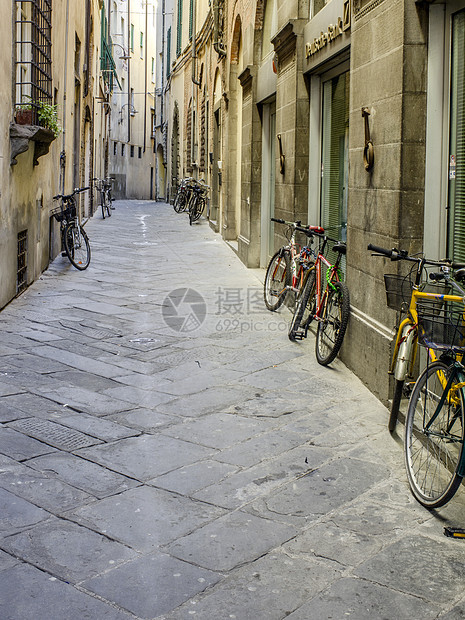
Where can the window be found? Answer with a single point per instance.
(132, 150)
(456, 214)
(141, 44)
(168, 52)
(316, 6)
(140, 153)
(179, 29)
(21, 278)
(123, 149)
(115, 148)
(270, 24)
(191, 17)
(153, 70)
(131, 43)
(334, 164)
(33, 52)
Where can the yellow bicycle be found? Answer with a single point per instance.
(430, 315)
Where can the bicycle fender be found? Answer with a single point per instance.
(404, 353)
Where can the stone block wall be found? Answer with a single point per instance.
(388, 76)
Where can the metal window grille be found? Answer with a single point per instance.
(21, 277)
(33, 53)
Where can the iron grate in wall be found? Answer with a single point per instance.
(33, 53)
(21, 277)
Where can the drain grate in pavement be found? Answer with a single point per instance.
(98, 333)
(54, 434)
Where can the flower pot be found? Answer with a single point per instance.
(24, 117)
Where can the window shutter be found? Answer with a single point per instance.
(456, 225)
(179, 29)
(168, 52)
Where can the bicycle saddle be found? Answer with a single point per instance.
(340, 247)
(459, 275)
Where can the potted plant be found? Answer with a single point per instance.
(24, 114)
(48, 117)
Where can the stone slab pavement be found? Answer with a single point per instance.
(166, 452)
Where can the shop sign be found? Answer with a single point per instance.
(333, 32)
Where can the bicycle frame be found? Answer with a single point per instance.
(406, 345)
(332, 275)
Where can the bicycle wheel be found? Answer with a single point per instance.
(198, 209)
(433, 453)
(278, 278)
(102, 200)
(108, 203)
(304, 308)
(333, 323)
(178, 204)
(77, 246)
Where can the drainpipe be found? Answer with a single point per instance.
(195, 82)
(129, 71)
(145, 81)
(162, 109)
(65, 77)
(217, 44)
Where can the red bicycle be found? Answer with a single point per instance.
(324, 298)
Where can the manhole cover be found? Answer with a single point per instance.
(54, 434)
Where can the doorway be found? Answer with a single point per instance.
(268, 181)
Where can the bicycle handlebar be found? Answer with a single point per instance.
(395, 255)
(318, 231)
(77, 190)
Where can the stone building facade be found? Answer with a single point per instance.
(134, 99)
(57, 54)
(344, 113)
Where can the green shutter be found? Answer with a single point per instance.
(334, 158)
(179, 29)
(168, 52)
(191, 14)
(456, 224)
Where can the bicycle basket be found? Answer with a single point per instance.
(64, 214)
(398, 291)
(441, 324)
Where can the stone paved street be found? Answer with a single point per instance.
(170, 454)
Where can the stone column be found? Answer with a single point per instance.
(388, 78)
(292, 119)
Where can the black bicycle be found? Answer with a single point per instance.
(197, 200)
(106, 201)
(74, 241)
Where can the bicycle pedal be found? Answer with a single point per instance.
(454, 532)
(64, 254)
(300, 335)
(408, 389)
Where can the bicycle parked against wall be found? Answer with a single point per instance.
(323, 298)
(197, 201)
(287, 267)
(191, 196)
(103, 187)
(181, 200)
(408, 295)
(74, 242)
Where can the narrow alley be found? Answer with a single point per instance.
(166, 452)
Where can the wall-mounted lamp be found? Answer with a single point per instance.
(125, 55)
(132, 111)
